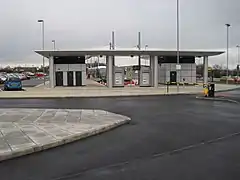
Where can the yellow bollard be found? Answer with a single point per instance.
(205, 90)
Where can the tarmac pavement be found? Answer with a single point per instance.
(169, 137)
(235, 94)
(232, 96)
(32, 82)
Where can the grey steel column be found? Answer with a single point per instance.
(227, 25)
(139, 57)
(238, 60)
(152, 70)
(43, 39)
(205, 70)
(51, 72)
(113, 40)
(54, 44)
(178, 46)
(109, 60)
(113, 45)
(155, 72)
(110, 45)
(146, 46)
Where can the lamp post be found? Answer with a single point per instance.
(113, 40)
(227, 25)
(178, 47)
(42, 22)
(238, 60)
(113, 46)
(139, 57)
(54, 44)
(110, 45)
(146, 46)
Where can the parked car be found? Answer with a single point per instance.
(30, 74)
(129, 82)
(13, 83)
(12, 75)
(3, 78)
(17, 75)
(28, 77)
(40, 74)
(22, 76)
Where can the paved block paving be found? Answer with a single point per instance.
(29, 130)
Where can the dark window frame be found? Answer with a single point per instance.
(173, 59)
(69, 60)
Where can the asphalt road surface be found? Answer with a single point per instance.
(32, 82)
(234, 95)
(170, 137)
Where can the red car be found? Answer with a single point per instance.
(40, 74)
(129, 82)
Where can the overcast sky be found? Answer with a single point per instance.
(76, 24)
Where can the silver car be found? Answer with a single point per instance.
(3, 78)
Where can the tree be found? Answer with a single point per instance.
(217, 67)
(217, 71)
(7, 69)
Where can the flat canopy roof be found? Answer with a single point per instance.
(196, 53)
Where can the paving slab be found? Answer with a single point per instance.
(24, 131)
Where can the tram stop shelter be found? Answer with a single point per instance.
(68, 67)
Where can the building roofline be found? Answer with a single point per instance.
(128, 52)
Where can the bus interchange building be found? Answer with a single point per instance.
(68, 67)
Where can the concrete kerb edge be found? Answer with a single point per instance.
(226, 90)
(102, 96)
(217, 99)
(17, 153)
(113, 96)
(97, 131)
(75, 137)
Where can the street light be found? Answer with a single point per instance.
(238, 60)
(42, 22)
(227, 25)
(110, 45)
(146, 46)
(139, 57)
(54, 44)
(178, 44)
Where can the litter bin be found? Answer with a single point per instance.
(211, 90)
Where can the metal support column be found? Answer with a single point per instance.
(155, 71)
(139, 57)
(152, 70)
(51, 72)
(109, 61)
(205, 71)
(113, 45)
